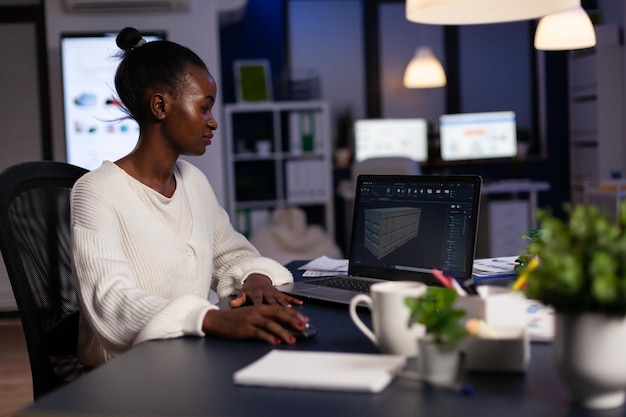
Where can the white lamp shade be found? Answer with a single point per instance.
(424, 70)
(571, 29)
(465, 12)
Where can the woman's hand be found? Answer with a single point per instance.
(258, 289)
(264, 322)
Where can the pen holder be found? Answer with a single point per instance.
(497, 306)
(505, 313)
(497, 355)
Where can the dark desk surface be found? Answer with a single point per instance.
(193, 377)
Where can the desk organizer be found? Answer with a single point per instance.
(504, 311)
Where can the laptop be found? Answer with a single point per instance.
(403, 227)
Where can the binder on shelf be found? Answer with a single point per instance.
(307, 124)
(306, 181)
(242, 221)
(248, 220)
(295, 147)
(305, 132)
(319, 133)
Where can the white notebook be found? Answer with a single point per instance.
(322, 371)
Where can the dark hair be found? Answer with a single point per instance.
(160, 64)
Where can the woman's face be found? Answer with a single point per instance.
(189, 122)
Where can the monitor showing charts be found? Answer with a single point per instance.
(375, 138)
(471, 136)
(95, 127)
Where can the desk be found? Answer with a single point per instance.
(193, 377)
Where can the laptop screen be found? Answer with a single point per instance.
(405, 226)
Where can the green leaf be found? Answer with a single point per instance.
(435, 310)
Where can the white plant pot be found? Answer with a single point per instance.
(589, 355)
(436, 364)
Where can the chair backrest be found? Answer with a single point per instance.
(35, 245)
(386, 165)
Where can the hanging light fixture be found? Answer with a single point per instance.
(571, 29)
(424, 70)
(465, 12)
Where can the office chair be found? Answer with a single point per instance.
(35, 245)
(385, 166)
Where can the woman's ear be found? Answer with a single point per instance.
(157, 105)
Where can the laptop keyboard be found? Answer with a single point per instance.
(353, 284)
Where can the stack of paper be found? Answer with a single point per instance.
(494, 267)
(325, 266)
(322, 370)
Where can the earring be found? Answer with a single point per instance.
(162, 116)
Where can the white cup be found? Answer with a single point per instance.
(390, 316)
(264, 147)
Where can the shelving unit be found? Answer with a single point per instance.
(596, 110)
(278, 155)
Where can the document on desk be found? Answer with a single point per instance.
(494, 267)
(324, 266)
(322, 371)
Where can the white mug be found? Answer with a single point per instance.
(264, 147)
(390, 316)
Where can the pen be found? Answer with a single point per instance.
(461, 388)
(467, 289)
(520, 282)
(442, 278)
(457, 287)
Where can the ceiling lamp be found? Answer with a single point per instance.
(571, 29)
(424, 70)
(466, 12)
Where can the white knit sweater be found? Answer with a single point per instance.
(137, 278)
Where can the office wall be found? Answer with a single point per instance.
(197, 29)
(399, 38)
(258, 34)
(19, 113)
(327, 39)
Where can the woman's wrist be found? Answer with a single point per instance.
(257, 278)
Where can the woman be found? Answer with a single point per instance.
(149, 237)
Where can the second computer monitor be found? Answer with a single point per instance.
(376, 138)
(475, 136)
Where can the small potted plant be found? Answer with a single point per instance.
(581, 272)
(439, 348)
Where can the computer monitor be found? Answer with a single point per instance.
(94, 126)
(475, 136)
(375, 138)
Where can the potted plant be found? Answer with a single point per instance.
(438, 358)
(581, 272)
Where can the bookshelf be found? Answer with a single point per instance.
(596, 107)
(278, 154)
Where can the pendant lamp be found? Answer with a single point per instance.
(465, 12)
(424, 70)
(571, 29)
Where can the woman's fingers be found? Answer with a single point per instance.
(271, 323)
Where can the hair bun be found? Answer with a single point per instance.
(128, 38)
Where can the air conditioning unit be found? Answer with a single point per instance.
(123, 6)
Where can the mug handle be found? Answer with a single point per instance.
(367, 301)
